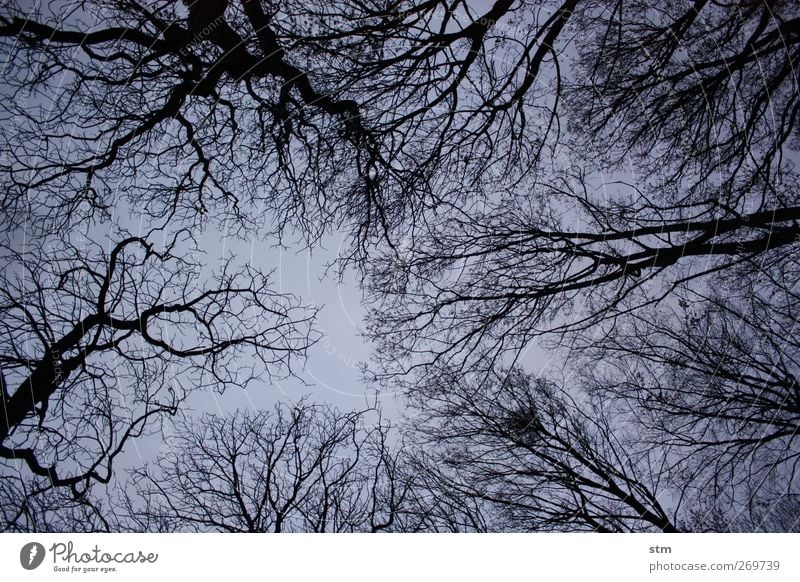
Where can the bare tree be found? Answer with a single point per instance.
(266, 115)
(440, 504)
(684, 417)
(302, 467)
(678, 163)
(712, 87)
(481, 285)
(553, 170)
(538, 460)
(415, 122)
(715, 379)
(781, 515)
(98, 343)
(34, 505)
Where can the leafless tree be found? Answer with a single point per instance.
(684, 417)
(702, 93)
(576, 170)
(98, 343)
(715, 379)
(678, 164)
(538, 460)
(33, 505)
(781, 515)
(431, 126)
(263, 114)
(302, 467)
(480, 287)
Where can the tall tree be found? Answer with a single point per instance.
(538, 460)
(582, 171)
(714, 378)
(265, 115)
(98, 343)
(518, 453)
(302, 467)
(677, 163)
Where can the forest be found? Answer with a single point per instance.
(573, 228)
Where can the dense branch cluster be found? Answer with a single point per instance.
(304, 468)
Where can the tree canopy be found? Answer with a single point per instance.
(613, 184)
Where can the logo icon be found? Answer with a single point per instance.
(31, 555)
